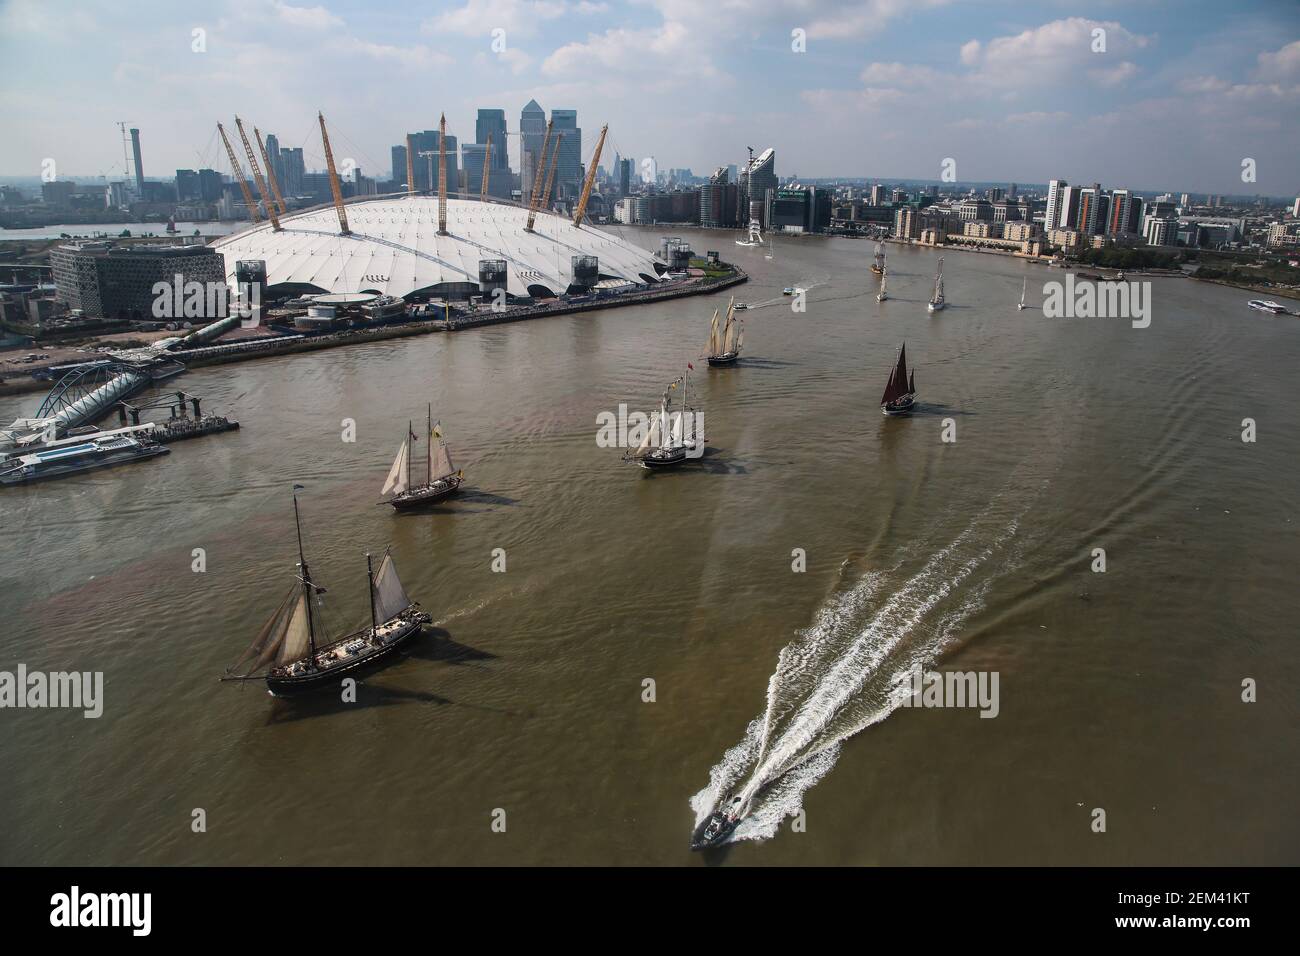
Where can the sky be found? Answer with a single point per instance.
(1145, 94)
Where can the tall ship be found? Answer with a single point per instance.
(670, 440)
(878, 266)
(900, 390)
(293, 653)
(755, 237)
(882, 295)
(70, 456)
(725, 339)
(442, 479)
(936, 299)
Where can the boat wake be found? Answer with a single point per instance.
(845, 672)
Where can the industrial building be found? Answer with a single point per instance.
(117, 282)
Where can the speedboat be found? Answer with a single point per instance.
(788, 290)
(741, 305)
(1268, 306)
(719, 825)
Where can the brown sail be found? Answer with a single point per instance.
(897, 386)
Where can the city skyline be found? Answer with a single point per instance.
(878, 92)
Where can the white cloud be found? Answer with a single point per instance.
(478, 18)
(312, 18)
(1282, 65)
(1054, 52)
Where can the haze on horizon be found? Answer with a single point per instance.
(1182, 93)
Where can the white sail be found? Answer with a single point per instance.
(729, 340)
(1022, 293)
(714, 338)
(675, 439)
(390, 596)
(296, 634)
(396, 481)
(651, 438)
(442, 466)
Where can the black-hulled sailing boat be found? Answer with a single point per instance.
(292, 651)
(443, 480)
(670, 439)
(900, 391)
(725, 340)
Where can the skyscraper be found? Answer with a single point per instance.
(1052, 219)
(295, 173)
(532, 132)
(568, 167)
(139, 163)
(187, 185)
(494, 122)
(272, 143)
(762, 183)
(1092, 210)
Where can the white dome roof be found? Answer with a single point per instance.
(395, 248)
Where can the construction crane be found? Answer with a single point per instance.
(540, 167)
(442, 175)
(239, 178)
(334, 178)
(550, 177)
(591, 179)
(410, 165)
(270, 171)
(257, 177)
(487, 162)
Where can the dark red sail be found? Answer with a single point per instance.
(897, 386)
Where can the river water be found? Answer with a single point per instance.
(1118, 690)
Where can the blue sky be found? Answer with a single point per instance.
(1012, 91)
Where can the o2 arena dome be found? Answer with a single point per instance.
(394, 249)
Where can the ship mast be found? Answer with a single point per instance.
(428, 451)
(370, 577)
(410, 436)
(306, 577)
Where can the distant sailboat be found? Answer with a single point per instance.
(1023, 288)
(726, 339)
(936, 300)
(667, 442)
(882, 295)
(900, 390)
(442, 478)
(171, 223)
(771, 249)
(878, 267)
(293, 653)
(755, 237)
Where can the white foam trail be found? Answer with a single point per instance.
(818, 679)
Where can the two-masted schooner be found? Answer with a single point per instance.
(936, 300)
(442, 478)
(670, 438)
(725, 339)
(293, 653)
(900, 390)
(878, 266)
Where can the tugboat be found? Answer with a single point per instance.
(1024, 287)
(882, 295)
(443, 480)
(290, 648)
(936, 302)
(667, 443)
(900, 390)
(725, 342)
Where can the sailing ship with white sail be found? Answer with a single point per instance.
(882, 295)
(292, 652)
(442, 478)
(878, 266)
(900, 390)
(1023, 289)
(725, 339)
(936, 300)
(671, 436)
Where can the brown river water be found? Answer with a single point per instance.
(1119, 690)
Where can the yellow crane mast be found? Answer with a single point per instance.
(539, 168)
(270, 171)
(442, 175)
(550, 177)
(410, 165)
(257, 177)
(239, 178)
(334, 178)
(591, 179)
